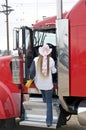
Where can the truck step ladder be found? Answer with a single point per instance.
(35, 113)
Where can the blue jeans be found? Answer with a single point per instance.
(47, 97)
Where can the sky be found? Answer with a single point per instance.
(26, 12)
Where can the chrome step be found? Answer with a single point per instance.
(38, 111)
(35, 113)
(36, 124)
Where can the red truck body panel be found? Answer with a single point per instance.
(5, 71)
(77, 49)
(47, 22)
(10, 95)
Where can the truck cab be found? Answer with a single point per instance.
(66, 37)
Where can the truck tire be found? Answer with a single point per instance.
(1, 123)
(10, 123)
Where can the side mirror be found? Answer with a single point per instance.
(15, 39)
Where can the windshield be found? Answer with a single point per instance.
(41, 38)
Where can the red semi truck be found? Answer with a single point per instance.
(66, 35)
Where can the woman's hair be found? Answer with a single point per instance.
(39, 65)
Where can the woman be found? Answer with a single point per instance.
(44, 68)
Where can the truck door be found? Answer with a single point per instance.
(24, 44)
(27, 44)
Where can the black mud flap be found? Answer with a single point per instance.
(62, 120)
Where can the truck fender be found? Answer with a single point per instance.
(7, 105)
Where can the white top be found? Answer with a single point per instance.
(45, 83)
